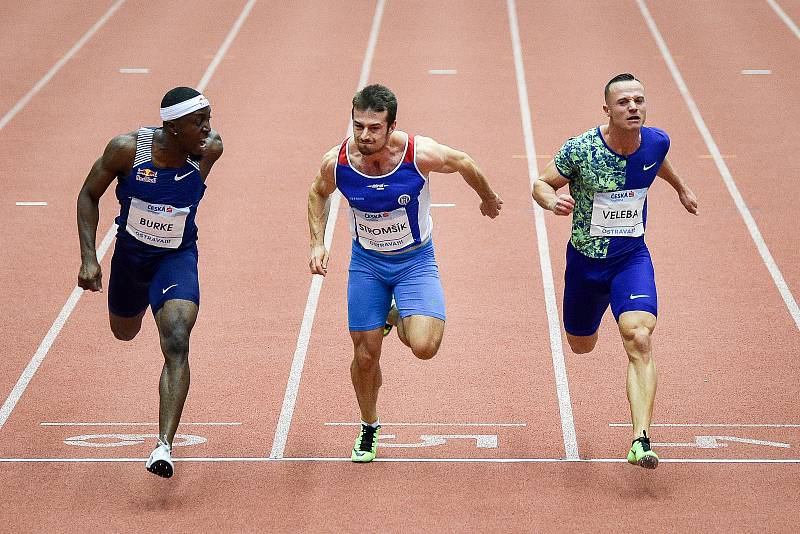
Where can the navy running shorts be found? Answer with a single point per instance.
(148, 276)
(626, 282)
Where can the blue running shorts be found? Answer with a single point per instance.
(412, 277)
(148, 276)
(626, 282)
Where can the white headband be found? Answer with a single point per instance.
(184, 108)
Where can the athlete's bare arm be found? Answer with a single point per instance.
(544, 191)
(319, 205)
(117, 160)
(686, 196)
(211, 154)
(435, 157)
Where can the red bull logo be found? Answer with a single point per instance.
(146, 175)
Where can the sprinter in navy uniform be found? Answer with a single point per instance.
(160, 175)
(609, 170)
(383, 173)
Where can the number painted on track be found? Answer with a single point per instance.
(126, 440)
(482, 441)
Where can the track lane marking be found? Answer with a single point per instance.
(246, 459)
(38, 357)
(22, 102)
(433, 424)
(554, 324)
(74, 297)
(730, 183)
(136, 424)
(299, 358)
(784, 17)
(715, 425)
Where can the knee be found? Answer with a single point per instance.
(426, 350)
(582, 344)
(175, 343)
(365, 360)
(638, 343)
(124, 334)
(582, 347)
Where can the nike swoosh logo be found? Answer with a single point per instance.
(646, 167)
(632, 297)
(163, 291)
(182, 176)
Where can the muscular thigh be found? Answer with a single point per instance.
(128, 284)
(418, 289)
(586, 293)
(175, 278)
(633, 286)
(369, 294)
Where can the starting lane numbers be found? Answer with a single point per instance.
(126, 440)
(482, 441)
(718, 442)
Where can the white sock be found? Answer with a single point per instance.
(376, 424)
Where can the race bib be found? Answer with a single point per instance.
(618, 213)
(383, 231)
(160, 225)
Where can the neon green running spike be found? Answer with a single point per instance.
(641, 454)
(366, 445)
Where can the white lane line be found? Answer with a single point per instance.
(136, 424)
(223, 49)
(23, 203)
(247, 459)
(134, 71)
(27, 375)
(741, 205)
(443, 205)
(60, 63)
(58, 324)
(714, 425)
(756, 71)
(431, 424)
(554, 325)
(445, 72)
(293, 383)
(784, 17)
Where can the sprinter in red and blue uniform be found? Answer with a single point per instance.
(384, 175)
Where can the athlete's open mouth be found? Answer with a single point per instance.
(634, 118)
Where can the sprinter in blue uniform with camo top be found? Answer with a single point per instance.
(609, 170)
(161, 174)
